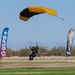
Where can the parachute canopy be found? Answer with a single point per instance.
(35, 10)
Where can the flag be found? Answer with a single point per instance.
(69, 41)
(4, 42)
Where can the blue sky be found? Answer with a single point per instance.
(40, 28)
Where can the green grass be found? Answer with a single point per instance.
(18, 67)
(32, 62)
(38, 71)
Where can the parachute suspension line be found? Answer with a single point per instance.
(36, 43)
(60, 18)
(30, 43)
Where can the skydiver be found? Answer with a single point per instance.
(34, 52)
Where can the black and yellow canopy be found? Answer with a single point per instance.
(35, 10)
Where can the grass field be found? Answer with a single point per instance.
(38, 71)
(39, 66)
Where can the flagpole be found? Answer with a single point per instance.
(66, 60)
(0, 55)
(0, 61)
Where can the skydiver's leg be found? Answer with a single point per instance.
(30, 57)
(34, 54)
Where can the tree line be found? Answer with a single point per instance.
(42, 51)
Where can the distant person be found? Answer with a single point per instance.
(34, 52)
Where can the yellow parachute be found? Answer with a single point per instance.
(35, 10)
